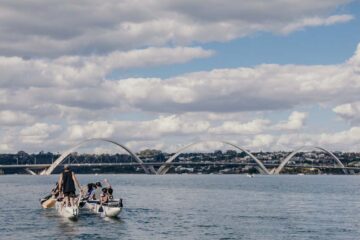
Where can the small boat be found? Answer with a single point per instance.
(67, 212)
(111, 209)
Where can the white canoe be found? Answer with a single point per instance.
(111, 209)
(67, 212)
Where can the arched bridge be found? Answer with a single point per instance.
(69, 151)
(166, 166)
(148, 167)
(291, 155)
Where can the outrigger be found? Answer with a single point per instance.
(110, 209)
(48, 201)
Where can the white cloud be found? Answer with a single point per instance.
(169, 133)
(99, 27)
(264, 87)
(38, 133)
(100, 129)
(137, 130)
(55, 77)
(349, 111)
(315, 21)
(11, 118)
(234, 127)
(346, 140)
(216, 102)
(261, 141)
(70, 71)
(296, 121)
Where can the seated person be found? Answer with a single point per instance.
(89, 190)
(94, 191)
(110, 193)
(104, 197)
(109, 189)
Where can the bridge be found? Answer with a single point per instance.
(163, 167)
(158, 164)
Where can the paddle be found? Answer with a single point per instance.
(79, 200)
(101, 209)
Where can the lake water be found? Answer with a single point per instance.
(192, 207)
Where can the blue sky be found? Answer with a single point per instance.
(319, 45)
(266, 75)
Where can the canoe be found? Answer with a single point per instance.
(67, 212)
(111, 209)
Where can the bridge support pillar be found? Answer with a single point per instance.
(31, 172)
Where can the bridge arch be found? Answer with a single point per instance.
(165, 167)
(63, 156)
(291, 155)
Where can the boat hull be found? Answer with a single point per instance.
(67, 212)
(112, 210)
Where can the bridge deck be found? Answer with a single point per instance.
(42, 166)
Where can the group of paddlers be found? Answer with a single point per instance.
(65, 189)
(95, 191)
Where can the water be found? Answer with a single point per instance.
(193, 207)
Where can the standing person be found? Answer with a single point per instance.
(67, 182)
(97, 192)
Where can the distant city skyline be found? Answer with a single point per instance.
(264, 75)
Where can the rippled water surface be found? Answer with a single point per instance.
(193, 207)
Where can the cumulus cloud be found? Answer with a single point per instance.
(234, 127)
(38, 133)
(99, 27)
(264, 87)
(295, 122)
(346, 140)
(209, 102)
(349, 111)
(261, 141)
(70, 71)
(137, 130)
(155, 133)
(10, 118)
(57, 82)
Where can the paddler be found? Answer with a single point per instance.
(109, 189)
(67, 180)
(104, 197)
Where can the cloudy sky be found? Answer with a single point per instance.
(266, 75)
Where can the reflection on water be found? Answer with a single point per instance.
(192, 207)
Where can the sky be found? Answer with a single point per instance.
(266, 75)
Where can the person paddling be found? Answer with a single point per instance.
(109, 189)
(67, 180)
(104, 197)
